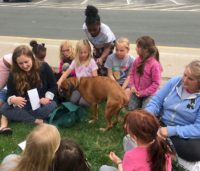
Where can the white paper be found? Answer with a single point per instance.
(22, 145)
(34, 98)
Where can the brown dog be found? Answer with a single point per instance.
(95, 90)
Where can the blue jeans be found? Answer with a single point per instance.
(26, 114)
(3, 95)
(137, 102)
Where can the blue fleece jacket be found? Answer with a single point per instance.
(180, 114)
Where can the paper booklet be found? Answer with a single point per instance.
(34, 98)
(22, 145)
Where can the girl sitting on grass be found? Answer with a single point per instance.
(66, 55)
(119, 63)
(145, 75)
(41, 146)
(151, 152)
(70, 157)
(27, 73)
(39, 50)
(84, 66)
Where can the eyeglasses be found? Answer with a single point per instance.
(65, 50)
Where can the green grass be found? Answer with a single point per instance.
(96, 144)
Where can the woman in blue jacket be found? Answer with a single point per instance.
(177, 105)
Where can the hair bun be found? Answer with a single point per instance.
(33, 43)
(91, 11)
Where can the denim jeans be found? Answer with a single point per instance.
(3, 95)
(137, 102)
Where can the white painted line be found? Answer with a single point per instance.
(84, 2)
(41, 2)
(180, 7)
(140, 5)
(174, 1)
(160, 6)
(128, 2)
(130, 7)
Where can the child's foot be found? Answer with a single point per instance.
(5, 131)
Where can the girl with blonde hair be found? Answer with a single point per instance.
(177, 103)
(84, 66)
(41, 146)
(119, 63)
(66, 55)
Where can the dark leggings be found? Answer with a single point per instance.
(187, 149)
(26, 114)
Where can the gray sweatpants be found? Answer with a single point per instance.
(77, 99)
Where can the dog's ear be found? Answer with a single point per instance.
(67, 87)
(64, 85)
(76, 82)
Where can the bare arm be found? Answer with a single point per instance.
(105, 53)
(110, 74)
(116, 160)
(63, 77)
(94, 73)
(126, 82)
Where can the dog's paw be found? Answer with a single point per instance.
(91, 121)
(103, 129)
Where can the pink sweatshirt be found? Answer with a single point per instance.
(137, 160)
(148, 83)
(4, 71)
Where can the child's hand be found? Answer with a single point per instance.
(45, 101)
(162, 132)
(19, 101)
(114, 158)
(133, 90)
(99, 61)
(137, 94)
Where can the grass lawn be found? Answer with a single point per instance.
(96, 144)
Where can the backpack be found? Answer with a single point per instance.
(67, 114)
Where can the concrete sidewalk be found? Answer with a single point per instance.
(173, 59)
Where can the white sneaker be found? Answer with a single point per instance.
(191, 166)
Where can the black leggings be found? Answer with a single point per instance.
(187, 149)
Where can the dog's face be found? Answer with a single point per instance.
(66, 88)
